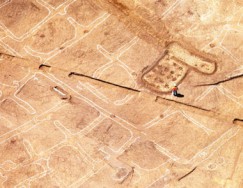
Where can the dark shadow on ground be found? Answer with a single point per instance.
(179, 95)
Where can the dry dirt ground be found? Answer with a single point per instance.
(85, 97)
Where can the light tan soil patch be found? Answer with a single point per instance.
(68, 165)
(45, 181)
(136, 154)
(5, 126)
(40, 139)
(234, 88)
(110, 133)
(16, 14)
(55, 3)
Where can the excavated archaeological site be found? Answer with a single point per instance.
(85, 93)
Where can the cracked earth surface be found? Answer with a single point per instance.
(85, 95)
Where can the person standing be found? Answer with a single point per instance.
(174, 90)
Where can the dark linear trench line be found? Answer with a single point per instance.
(99, 80)
(187, 174)
(238, 121)
(192, 106)
(43, 65)
(222, 81)
(5, 55)
(124, 87)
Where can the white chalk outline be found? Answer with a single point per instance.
(36, 126)
(80, 29)
(186, 116)
(45, 55)
(25, 35)
(170, 9)
(167, 173)
(101, 96)
(114, 60)
(82, 157)
(90, 126)
(29, 178)
(35, 75)
(119, 149)
(224, 92)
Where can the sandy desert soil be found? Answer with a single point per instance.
(85, 93)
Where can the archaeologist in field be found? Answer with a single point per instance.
(174, 90)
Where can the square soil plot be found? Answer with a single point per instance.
(163, 75)
(10, 72)
(84, 11)
(169, 135)
(42, 140)
(13, 150)
(52, 35)
(137, 151)
(19, 16)
(68, 165)
(76, 115)
(39, 93)
(13, 112)
(21, 174)
(110, 133)
(140, 111)
(81, 57)
(112, 35)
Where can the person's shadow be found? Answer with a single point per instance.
(179, 95)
